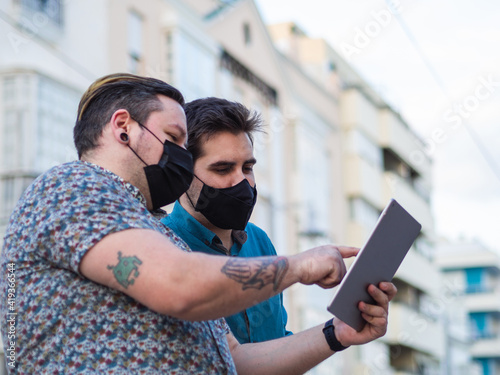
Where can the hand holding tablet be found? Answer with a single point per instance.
(377, 261)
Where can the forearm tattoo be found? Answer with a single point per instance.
(256, 273)
(127, 270)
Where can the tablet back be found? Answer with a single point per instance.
(377, 261)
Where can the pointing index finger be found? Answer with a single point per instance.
(348, 251)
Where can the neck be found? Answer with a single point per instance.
(225, 235)
(133, 173)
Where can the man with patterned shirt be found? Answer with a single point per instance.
(101, 286)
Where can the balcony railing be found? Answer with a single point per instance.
(479, 288)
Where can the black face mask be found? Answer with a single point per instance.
(228, 208)
(172, 176)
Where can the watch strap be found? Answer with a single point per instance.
(331, 339)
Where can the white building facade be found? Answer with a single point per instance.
(332, 156)
(472, 272)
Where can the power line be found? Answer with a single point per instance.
(437, 78)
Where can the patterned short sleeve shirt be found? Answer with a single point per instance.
(67, 324)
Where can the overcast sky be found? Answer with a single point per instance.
(438, 63)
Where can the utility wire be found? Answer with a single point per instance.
(472, 133)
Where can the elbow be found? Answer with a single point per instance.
(181, 307)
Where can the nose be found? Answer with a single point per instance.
(237, 178)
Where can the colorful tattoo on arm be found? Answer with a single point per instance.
(256, 273)
(127, 270)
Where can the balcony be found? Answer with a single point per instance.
(412, 329)
(357, 111)
(413, 267)
(488, 300)
(363, 180)
(396, 135)
(488, 347)
(397, 188)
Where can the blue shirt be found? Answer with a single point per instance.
(265, 321)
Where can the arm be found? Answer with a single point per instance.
(148, 267)
(298, 353)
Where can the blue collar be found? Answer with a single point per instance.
(188, 223)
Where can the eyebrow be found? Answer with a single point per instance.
(223, 163)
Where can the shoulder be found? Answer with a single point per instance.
(255, 231)
(173, 218)
(258, 242)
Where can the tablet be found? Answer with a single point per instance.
(378, 260)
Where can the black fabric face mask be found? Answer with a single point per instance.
(171, 177)
(228, 208)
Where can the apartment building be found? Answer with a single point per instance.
(472, 273)
(382, 158)
(333, 153)
(57, 48)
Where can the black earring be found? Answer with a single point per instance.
(124, 137)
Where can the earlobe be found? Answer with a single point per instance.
(124, 138)
(120, 125)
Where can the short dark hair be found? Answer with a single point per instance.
(138, 95)
(209, 116)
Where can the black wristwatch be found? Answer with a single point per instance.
(331, 339)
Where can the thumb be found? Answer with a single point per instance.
(348, 251)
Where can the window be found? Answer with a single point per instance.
(486, 365)
(393, 163)
(475, 280)
(363, 212)
(52, 9)
(134, 41)
(247, 36)
(8, 195)
(169, 58)
(480, 325)
(360, 144)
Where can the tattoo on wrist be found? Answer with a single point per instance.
(256, 273)
(127, 270)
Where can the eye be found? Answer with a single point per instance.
(223, 170)
(248, 168)
(172, 137)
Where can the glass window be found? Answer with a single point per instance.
(487, 366)
(169, 56)
(134, 41)
(8, 195)
(315, 189)
(196, 67)
(57, 105)
(363, 212)
(9, 90)
(475, 280)
(361, 145)
(53, 9)
(481, 325)
(12, 149)
(247, 34)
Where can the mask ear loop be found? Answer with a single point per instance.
(137, 155)
(153, 134)
(187, 195)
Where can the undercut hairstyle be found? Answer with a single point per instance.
(138, 95)
(209, 116)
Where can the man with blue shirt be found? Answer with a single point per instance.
(213, 215)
